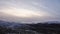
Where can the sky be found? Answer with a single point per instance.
(30, 11)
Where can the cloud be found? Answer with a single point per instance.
(40, 10)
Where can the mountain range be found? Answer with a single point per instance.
(49, 27)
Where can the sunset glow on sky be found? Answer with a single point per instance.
(21, 12)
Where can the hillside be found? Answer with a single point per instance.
(39, 28)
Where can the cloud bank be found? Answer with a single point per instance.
(30, 10)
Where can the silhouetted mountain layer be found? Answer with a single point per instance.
(52, 27)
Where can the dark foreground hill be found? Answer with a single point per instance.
(40, 28)
(47, 27)
(15, 28)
